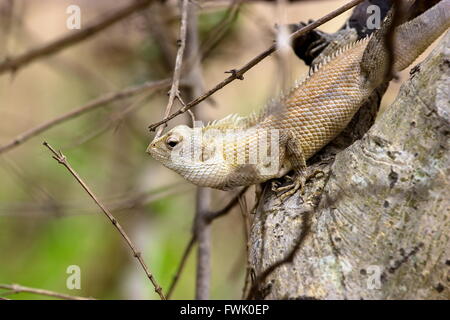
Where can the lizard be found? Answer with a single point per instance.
(242, 151)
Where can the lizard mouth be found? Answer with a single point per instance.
(154, 152)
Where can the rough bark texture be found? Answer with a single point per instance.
(376, 224)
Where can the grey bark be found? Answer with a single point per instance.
(376, 224)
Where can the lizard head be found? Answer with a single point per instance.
(207, 156)
(163, 148)
(191, 153)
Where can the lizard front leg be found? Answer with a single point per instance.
(297, 159)
(302, 173)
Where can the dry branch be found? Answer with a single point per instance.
(226, 208)
(61, 159)
(174, 91)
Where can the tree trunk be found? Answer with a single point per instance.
(376, 224)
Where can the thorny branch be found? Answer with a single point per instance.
(15, 288)
(174, 93)
(239, 73)
(234, 201)
(14, 63)
(61, 159)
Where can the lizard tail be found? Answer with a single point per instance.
(410, 40)
(413, 37)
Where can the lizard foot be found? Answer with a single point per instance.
(297, 183)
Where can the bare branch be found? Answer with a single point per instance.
(234, 201)
(61, 159)
(14, 63)
(239, 73)
(94, 104)
(114, 120)
(15, 288)
(173, 93)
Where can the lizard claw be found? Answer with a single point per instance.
(297, 183)
(275, 186)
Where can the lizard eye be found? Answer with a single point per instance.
(171, 142)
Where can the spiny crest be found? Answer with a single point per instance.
(325, 60)
(274, 103)
(233, 121)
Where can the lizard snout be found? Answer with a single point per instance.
(151, 146)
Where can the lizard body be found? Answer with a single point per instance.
(240, 151)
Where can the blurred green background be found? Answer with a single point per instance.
(47, 222)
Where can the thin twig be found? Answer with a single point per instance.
(113, 122)
(61, 159)
(239, 73)
(91, 105)
(15, 288)
(180, 268)
(173, 93)
(232, 202)
(14, 63)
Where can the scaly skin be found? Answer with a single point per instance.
(300, 123)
